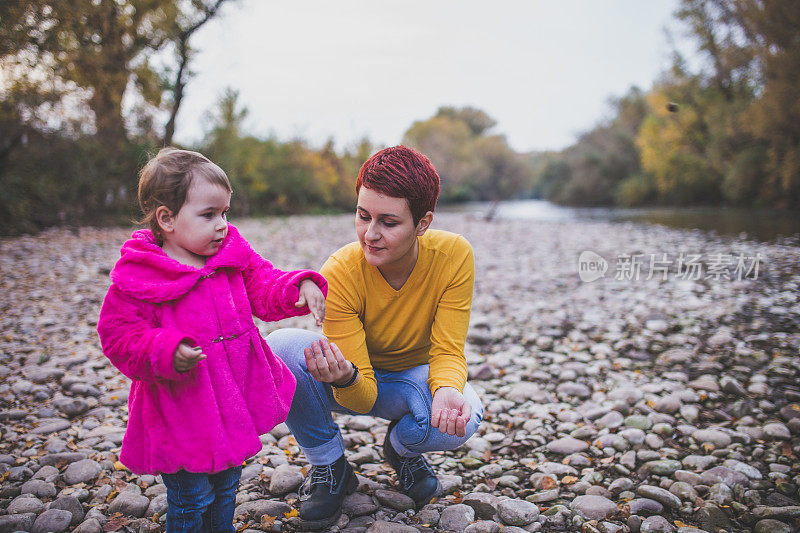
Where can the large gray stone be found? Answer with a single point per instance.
(662, 496)
(358, 504)
(484, 504)
(769, 525)
(285, 479)
(456, 517)
(723, 474)
(718, 438)
(38, 487)
(382, 526)
(394, 500)
(16, 522)
(158, 506)
(517, 512)
(52, 521)
(130, 502)
(593, 507)
(258, 508)
(71, 504)
(656, 524)
(25, 504)
(567, 445)
(82, 471)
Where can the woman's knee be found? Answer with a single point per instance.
(289, 345)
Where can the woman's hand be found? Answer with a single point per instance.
(186, 357)
(326, 363)
(312, 296)
(450, 412)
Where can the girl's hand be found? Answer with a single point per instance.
(186, 357)
(311, 295)
(450, 412)
(326, 363)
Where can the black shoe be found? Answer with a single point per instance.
(323, 492)
(414, 475)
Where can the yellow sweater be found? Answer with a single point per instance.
(425, 322)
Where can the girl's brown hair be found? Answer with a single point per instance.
(166, 179)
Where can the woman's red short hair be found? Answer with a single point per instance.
(401, 172)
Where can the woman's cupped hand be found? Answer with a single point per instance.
(326, 363)
(450, 411)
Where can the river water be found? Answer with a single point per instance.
(767, 225)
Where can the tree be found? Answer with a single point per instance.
(97, 50)
(472, 164)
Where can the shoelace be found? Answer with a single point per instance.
(319, 475)
(408, 466)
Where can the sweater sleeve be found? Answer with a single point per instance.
(343, 326)
(448, 365)
(138, 349)
(272, 292)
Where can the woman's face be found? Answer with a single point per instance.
(386, 229)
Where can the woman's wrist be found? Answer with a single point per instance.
(350, 380)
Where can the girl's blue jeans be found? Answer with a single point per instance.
(402, 395)
(201, 502)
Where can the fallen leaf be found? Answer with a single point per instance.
(119, 466)
(290, 514)
(116, 522)
(548, 483)
(267, 521)
(569, 480)
(678, 523)
(457, 497)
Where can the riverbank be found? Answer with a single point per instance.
(620, 404)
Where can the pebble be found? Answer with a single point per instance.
(769, 525)
(723, 474)
(258, 508)
(645, 506)
(567, 445)
(285, 479)
(25, 504)
(777, 430)
(456, 517)
(593, 507)
(484, 504)
(130, 502)
(718, 438)
(712, 415)
(662, 496)
(52, 521)
(358, 504)
(71, 504)
(656, 524)
(39, 488)
(82, 471)
(394, 500)
(515, 512)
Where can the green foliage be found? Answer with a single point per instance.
(269, 176)
(472, 164)
(590, 172)
(729, 133)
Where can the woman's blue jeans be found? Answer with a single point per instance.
(403, 396)
(201, 502)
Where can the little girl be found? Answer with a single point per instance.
(178, 321)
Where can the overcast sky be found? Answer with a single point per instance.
(353, 68)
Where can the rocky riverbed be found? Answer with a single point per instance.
(621, 404)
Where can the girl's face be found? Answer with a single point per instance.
(386, 230)
(197, 230)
